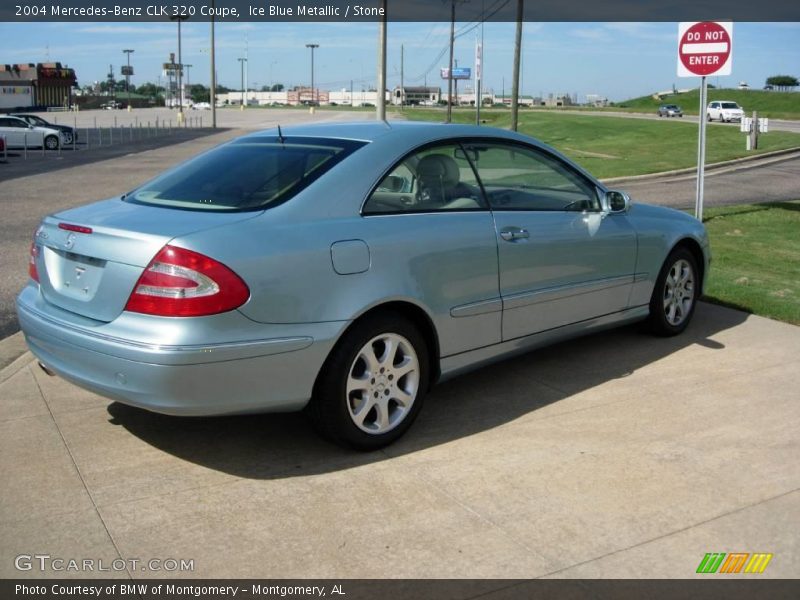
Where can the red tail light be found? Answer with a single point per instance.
(32, 270)
(182, 283)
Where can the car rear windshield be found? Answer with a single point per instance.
(730, 105)
(251, 173)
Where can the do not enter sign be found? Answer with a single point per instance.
(704, 49)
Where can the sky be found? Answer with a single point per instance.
(615, 60)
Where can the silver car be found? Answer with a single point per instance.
(343, 269)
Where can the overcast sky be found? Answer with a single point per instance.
(617, 60)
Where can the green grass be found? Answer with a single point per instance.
(756, 258)
(616, 146)
(775, 105)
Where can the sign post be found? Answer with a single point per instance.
(704, 48)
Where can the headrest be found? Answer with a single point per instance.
(438, 168)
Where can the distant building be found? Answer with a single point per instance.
(521, 100)
(303, 95)
(30, 85)
(558, 100)
(416, 95)
(596, 100)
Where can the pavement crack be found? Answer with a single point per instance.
(670, 534)
(474, 512)
(83, 481)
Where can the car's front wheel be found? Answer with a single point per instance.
(372, 385)
(51, 142)
(675, 295)
(67, 138)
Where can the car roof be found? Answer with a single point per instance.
(415, 131)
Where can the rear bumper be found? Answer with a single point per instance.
(259, 374)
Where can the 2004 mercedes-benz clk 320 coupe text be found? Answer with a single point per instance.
(343, 269)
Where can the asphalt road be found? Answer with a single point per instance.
(104, 172)
(774, 124)
(768, 181)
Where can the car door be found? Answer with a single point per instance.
(562, 258)
(9, 128)
(431, 237)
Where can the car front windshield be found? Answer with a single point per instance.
(252, 173)
(730, 105)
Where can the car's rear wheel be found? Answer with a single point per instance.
(372, 385)
(675, 295)
(51, 142)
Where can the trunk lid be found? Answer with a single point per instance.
(93, 274)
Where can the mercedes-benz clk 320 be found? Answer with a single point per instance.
(343, 269)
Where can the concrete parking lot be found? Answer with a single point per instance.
(619, 455)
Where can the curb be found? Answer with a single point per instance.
(14, 355)
(711, 167)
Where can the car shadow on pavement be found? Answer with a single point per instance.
(275, 446)
(17, 165)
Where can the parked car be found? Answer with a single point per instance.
(670, 110)
(111, 105)
(19, 133)
(345, 268)
(724, 110)
(2, 145)
(68, 133)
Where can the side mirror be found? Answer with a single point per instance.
(617, 202)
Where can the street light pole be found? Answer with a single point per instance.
(128, 52)
(213, 92)
(380, 104)
(179, 18)
(313, 95)
(241, 63)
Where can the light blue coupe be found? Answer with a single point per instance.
(343, 269)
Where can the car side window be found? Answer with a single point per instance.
(520, 178)
(435, 179)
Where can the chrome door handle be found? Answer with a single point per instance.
(511, 235)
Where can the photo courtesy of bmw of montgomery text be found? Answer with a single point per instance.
(343, 269)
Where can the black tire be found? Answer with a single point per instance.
(669, 312)
(51, 142)
(331, 406)
(67, 138)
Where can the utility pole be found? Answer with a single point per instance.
(188, 79)
(213, 91)
(479, 75)
(515, 82)
(313, 94)
(450, 62)
(380, 103)
(242, 62)
(402, 88)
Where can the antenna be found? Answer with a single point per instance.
(280, 134)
